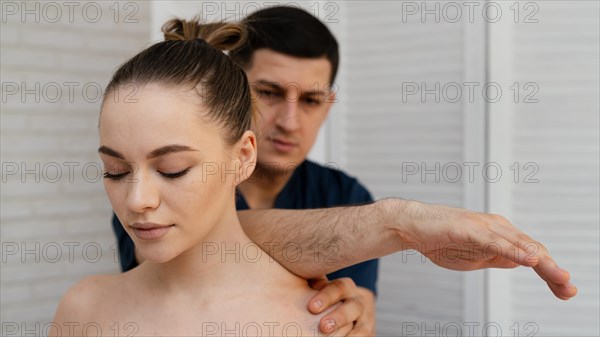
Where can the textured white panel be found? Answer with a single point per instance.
(559, 134)
(384, 132)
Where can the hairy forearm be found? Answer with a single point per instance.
(315, 242)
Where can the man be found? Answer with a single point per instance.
(291, 61)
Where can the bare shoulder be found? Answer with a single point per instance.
(81, 302)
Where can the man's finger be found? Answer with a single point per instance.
(318, 283)
(503, 249)
(345, 314)
(360, 330)
(343, 331)
(562, 291)
(516, 245)
(502, 263)
(315, 305)
(548, 270)
(334, 292)
(539, 258)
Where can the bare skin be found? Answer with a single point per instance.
(141, 301)
(452, 238)
(184, 287)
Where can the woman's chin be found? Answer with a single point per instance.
(158, 256)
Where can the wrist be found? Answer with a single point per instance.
(400, 220)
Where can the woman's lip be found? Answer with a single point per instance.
(151, 233)
(147, 225)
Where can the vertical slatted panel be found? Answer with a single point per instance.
(382, 133)
(560, 136)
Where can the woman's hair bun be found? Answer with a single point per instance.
(221, 35)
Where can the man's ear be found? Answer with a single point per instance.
(246, 153)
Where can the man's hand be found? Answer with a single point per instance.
(356, 312)
(459, 239)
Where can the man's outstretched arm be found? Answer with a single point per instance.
(311, 243)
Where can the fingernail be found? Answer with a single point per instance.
(330, 325)
(317, 304)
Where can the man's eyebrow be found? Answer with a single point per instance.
(273, 85)
(161, 151)
(277, 86)
(314, 93)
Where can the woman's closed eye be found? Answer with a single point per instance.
(115, 176)
(169, 175)
(174, 174)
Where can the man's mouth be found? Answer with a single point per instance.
(282, 145)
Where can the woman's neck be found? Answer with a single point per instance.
(226, 261)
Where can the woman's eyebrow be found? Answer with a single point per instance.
(108, 151)
(161, 151)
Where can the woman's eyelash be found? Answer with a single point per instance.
(118, 176)
(174, 175)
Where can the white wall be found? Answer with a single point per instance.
(553, 135)
(552, 48)
(386, 133)
(54, 212)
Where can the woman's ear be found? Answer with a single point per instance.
(246, 153)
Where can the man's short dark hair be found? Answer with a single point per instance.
(290, 31)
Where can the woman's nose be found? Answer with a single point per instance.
(143, 193)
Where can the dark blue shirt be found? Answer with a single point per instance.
(310, 186)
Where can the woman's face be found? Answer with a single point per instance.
(164, 169)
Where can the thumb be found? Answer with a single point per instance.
(318, 283)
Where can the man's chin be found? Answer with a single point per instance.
(279, 166)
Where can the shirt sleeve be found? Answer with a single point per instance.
(358, 194)
(126, 246)
(363, 274)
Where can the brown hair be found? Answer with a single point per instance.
(291, 31)
(192, 57)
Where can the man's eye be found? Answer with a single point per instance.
(115, 177)
(174, 175)
(312, 101)
(267, 94)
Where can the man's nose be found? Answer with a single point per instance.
(143, 194)
(287, 118)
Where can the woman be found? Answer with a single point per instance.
(175, 142)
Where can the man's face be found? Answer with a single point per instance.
(294, 99)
